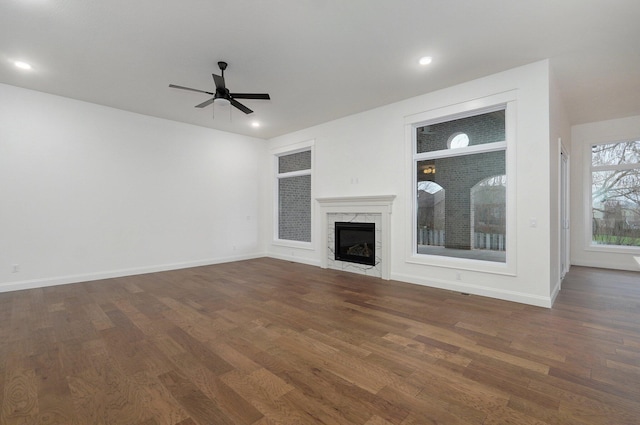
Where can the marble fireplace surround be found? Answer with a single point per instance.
(360, 209)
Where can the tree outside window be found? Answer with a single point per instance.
(615, 194)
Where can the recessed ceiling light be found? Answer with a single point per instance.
(255, 124)
(425, 60)
(22, 65)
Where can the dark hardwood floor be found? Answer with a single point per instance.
(268, 342)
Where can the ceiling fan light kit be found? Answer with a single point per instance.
(222, 95)
(221, 101)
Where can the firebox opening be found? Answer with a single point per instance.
(355, 242)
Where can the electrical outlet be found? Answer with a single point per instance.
(16, 268)
(458, 276)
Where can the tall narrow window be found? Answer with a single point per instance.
(615, 194)
(294, 196)
(460, 183)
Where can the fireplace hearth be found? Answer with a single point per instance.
(355, 242)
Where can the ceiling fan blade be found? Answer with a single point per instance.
(263, 96)
(219, 81)
(187, 88)
(241, 106)
(207, 103)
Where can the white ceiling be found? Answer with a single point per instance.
(318, 59)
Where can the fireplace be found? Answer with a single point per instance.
(355, 242)
(357, 209)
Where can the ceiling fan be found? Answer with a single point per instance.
(222, 95)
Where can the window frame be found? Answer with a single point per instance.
(289, 150)
(588, 191)
(506, 101)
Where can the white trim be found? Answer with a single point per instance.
(64, 280)
(294, 259)
(456, 263)
(612, 265)
(482, 105)
(618, 167)
(293, 148)
(555, 291)
(469, 150)
(276, 154)
(306, 172)
(564, 227)
(485, 291)
(506, 101)
(615, 249)
(588, 195)
(293, 244)
(358, 201)
(588, 171)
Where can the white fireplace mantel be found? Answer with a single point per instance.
(378, 204)
(380, 201)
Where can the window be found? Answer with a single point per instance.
(460, 186)
(293, 175)
(615, 194)
(458, 140)
(488, 220)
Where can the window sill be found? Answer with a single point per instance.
(293, 244)
(613, 249)
(480, 266)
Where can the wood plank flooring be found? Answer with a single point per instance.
(268, 342)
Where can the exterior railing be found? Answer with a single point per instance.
(489, 241)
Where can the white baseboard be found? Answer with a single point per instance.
(294, 259)
(555, 291)
(519, 297)
(63, 280)
(441, 284)
(605, 265)
(484, 291)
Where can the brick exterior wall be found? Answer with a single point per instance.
(294, 198)
(481, 129)
(294, 162)
(457, 175)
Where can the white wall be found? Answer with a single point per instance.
(88, 192)
(367, 154)
(582, 137)
(559, 138)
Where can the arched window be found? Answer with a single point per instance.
(458, 140)
(488, 213)
(431, 217)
